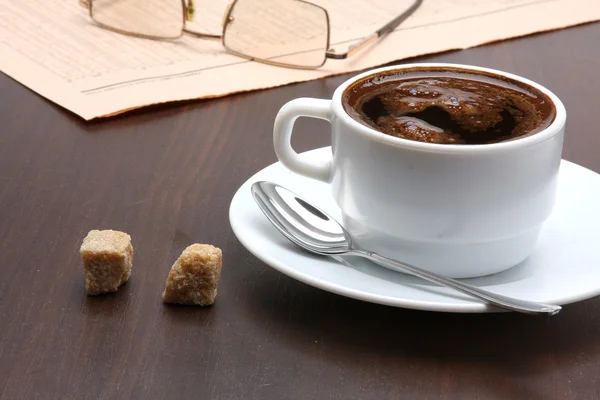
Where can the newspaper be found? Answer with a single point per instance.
(55, 49)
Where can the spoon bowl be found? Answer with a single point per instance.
(301, 222)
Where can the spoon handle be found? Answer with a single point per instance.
(527, 307)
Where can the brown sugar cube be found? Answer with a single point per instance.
(107, 259)
(194, 277)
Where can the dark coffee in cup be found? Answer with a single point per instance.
(448, 106)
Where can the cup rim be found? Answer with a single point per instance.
(545, 134)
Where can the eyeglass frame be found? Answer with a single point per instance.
(188, 12)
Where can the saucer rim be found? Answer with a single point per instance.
(470, 306)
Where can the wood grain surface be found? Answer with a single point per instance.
(166, 176)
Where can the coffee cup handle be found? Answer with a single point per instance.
(282, 135)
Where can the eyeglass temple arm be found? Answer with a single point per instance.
(372, 38)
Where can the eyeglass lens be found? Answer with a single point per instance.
(161, 19)
(285, 32)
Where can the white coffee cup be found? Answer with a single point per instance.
(457, 210)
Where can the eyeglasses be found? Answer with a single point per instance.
(286, 33)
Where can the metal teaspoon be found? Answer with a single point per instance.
(314, 230)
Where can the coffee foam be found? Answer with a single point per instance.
(449, 107)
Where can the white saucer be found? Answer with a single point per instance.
(564, 269)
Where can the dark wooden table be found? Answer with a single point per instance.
(166, 175)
